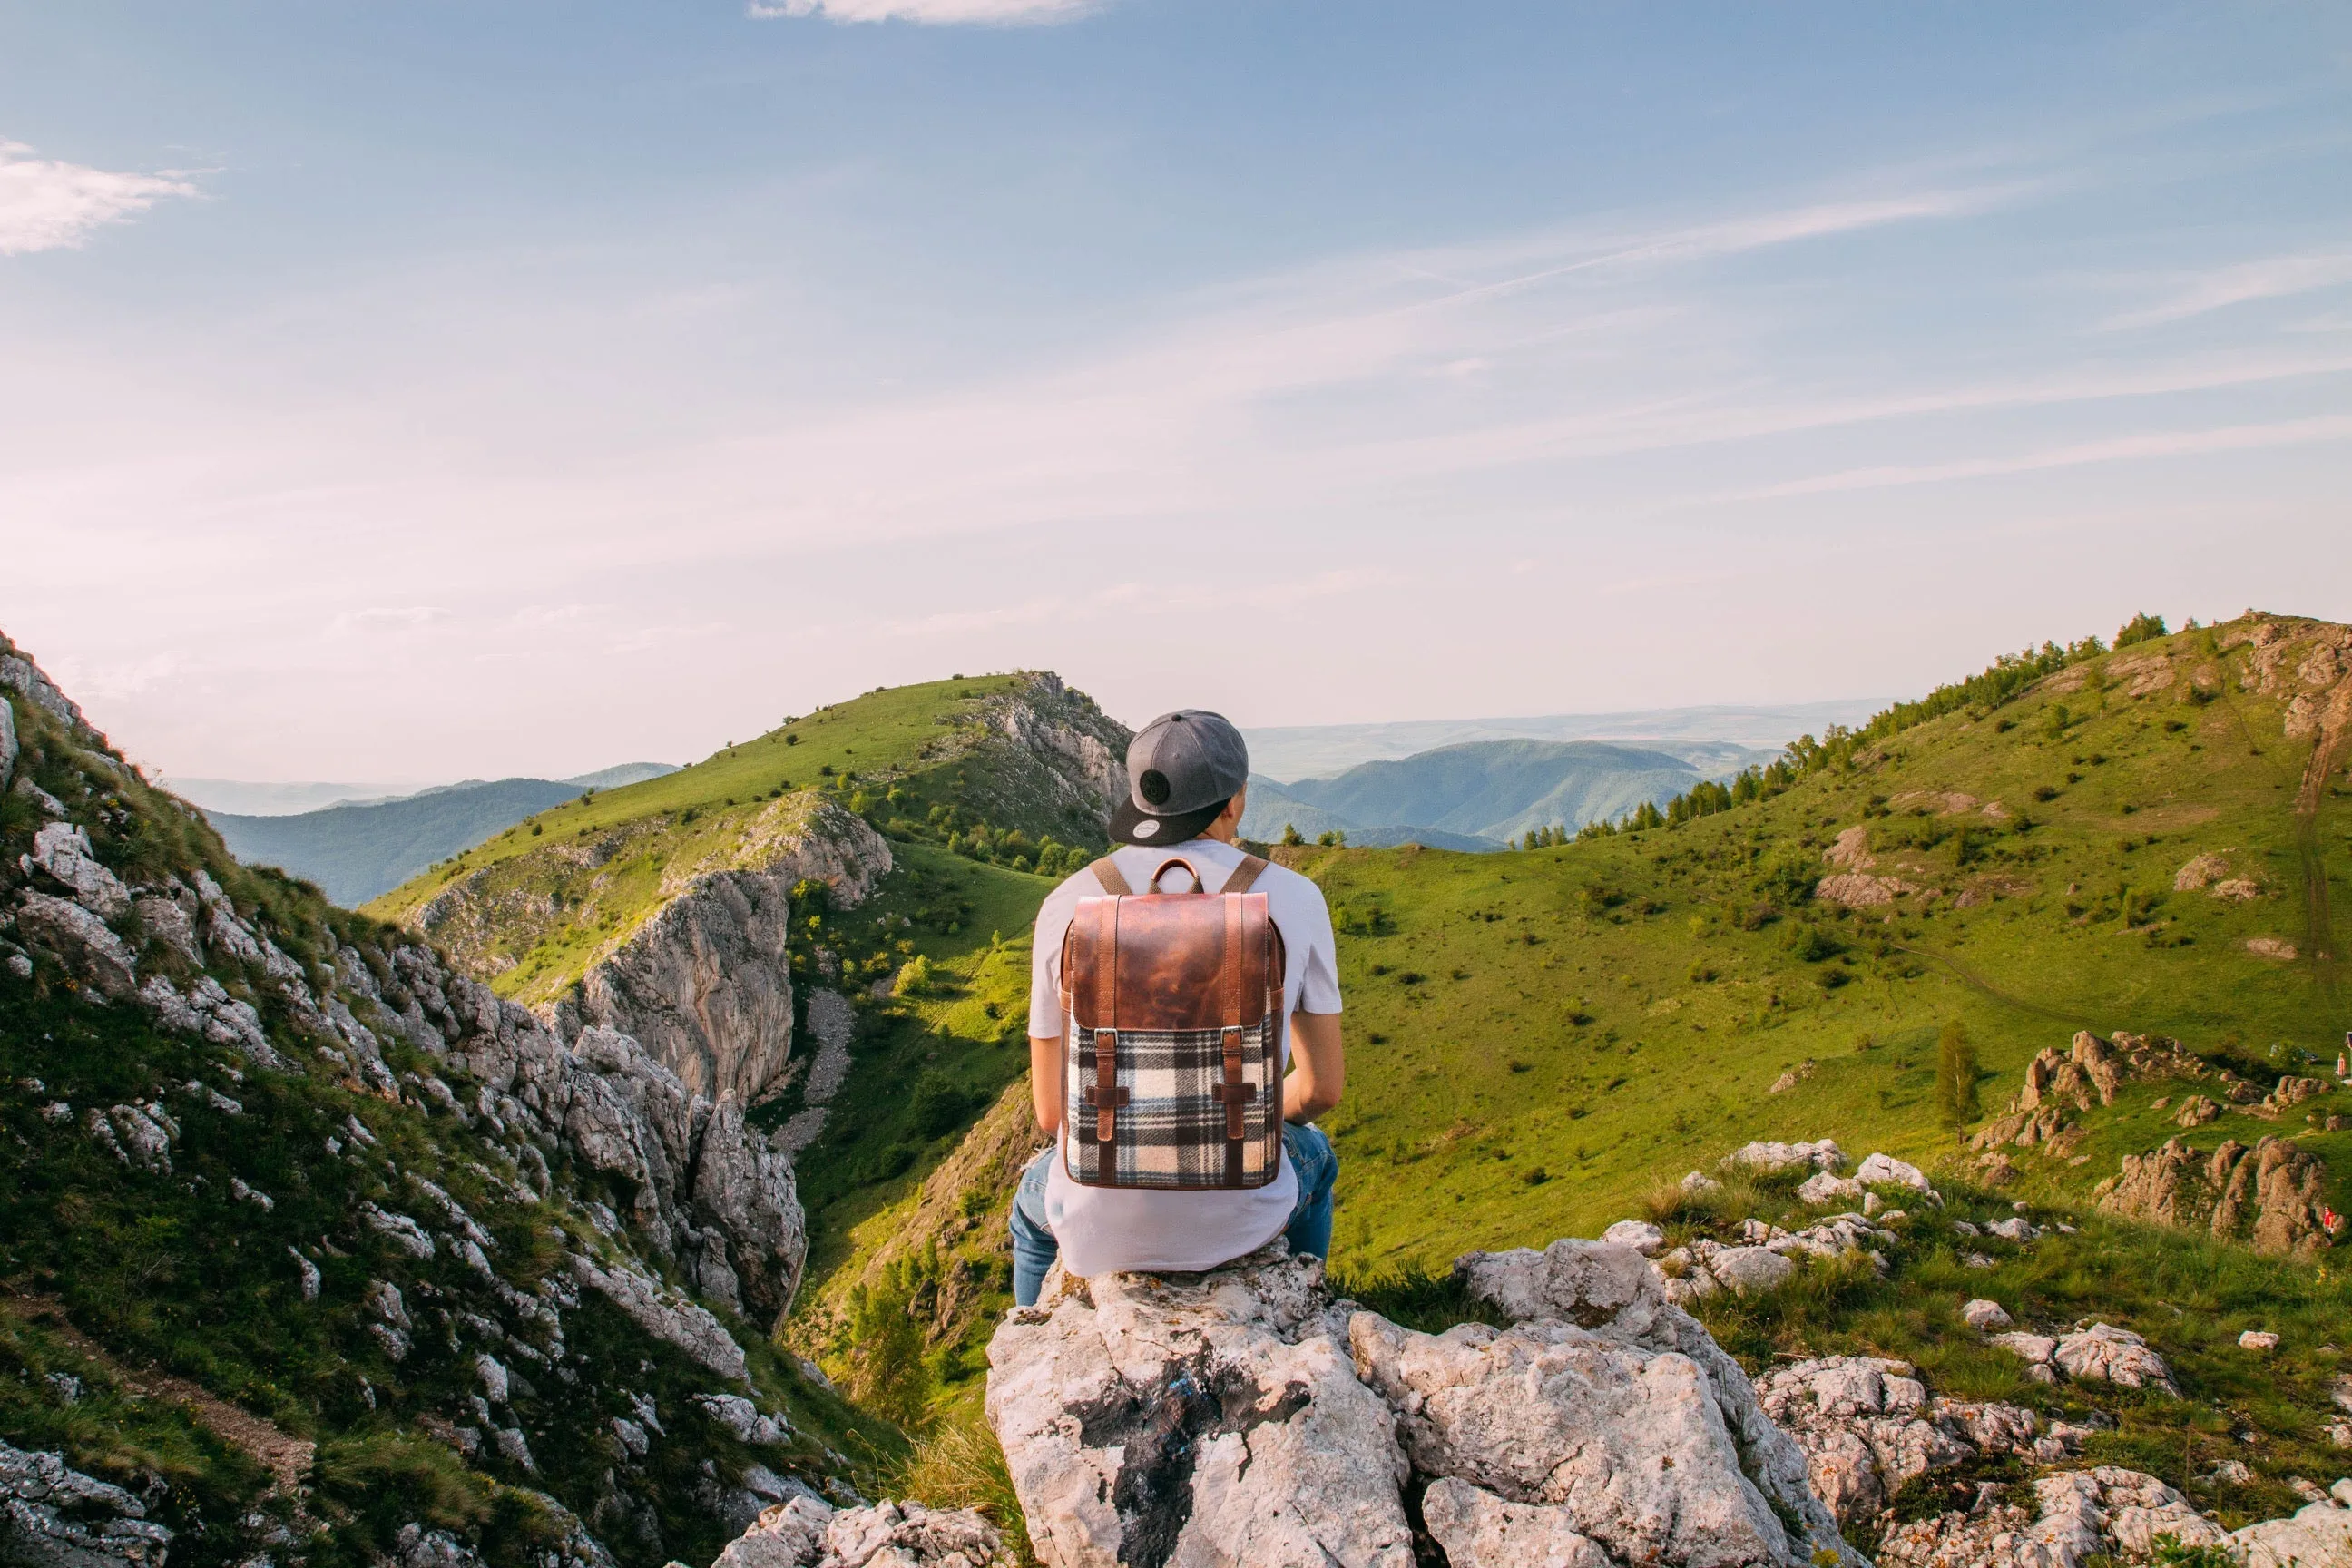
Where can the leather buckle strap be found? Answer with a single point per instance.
(1105, 1094)
(1232, 1092)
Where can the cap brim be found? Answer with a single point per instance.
(1131, 825)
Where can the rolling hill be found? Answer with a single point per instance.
(1274, 810)
(1491, 790)
(1716, 739)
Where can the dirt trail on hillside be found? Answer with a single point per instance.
(284, 1456)
(1975, 982)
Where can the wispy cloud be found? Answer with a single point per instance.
(2269, 278)
(2121, 449)
(382, 618)
(48, 204)
(937, 13)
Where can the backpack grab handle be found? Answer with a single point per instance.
(1153, 885)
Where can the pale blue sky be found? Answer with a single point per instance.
(425, 389)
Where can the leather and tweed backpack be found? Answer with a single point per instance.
(1171, 1052)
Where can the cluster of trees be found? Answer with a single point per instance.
(1331, 838)
(1010, 848)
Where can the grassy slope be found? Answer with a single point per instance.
(1528, 1055)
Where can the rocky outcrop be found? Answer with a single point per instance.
(2273, 1195)
(1060, 755)
(1246, 1416)
(706, 1190)
(1868, 1427)
(2074, 1515)
(1823, 1154)
(2044, 1113)
(2317, 1535)
(59, 1518)
(705, 985)
(1765, 1257)
(2100, 1353)
(807, 1532)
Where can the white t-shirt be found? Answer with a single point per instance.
(1104, 1230)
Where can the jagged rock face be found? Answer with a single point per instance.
(59, 1518)
(2273, 1195)
(708, 1193)
(1245, 1417)
(1068, 756)
(706, 986)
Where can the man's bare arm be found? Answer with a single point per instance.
(1319, 1066)
(1046, 1082)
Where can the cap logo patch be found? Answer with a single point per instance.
(1145, 829)
(1153, 785)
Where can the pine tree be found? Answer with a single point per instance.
(1955, 1076)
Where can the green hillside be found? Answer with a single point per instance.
(1536, 1039)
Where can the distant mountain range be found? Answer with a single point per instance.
(258, 797)
(357, 850)
(1718, 740)
(1480, 795)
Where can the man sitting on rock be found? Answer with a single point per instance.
(1190, 771)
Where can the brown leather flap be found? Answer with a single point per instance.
(1170, 962)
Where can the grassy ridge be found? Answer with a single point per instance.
(534, 909)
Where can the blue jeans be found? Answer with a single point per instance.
(1309, 1231)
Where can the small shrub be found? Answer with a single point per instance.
(1812, 943)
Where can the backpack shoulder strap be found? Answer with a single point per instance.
(1105, 871)
(1244, 876)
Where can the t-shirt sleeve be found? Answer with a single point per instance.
(1045, 963)
(1319, 982)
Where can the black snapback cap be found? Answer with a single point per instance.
(1181, 768)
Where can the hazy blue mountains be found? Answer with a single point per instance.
(355, 851)
(1480, 794)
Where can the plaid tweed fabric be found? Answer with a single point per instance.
(1171, 1131)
